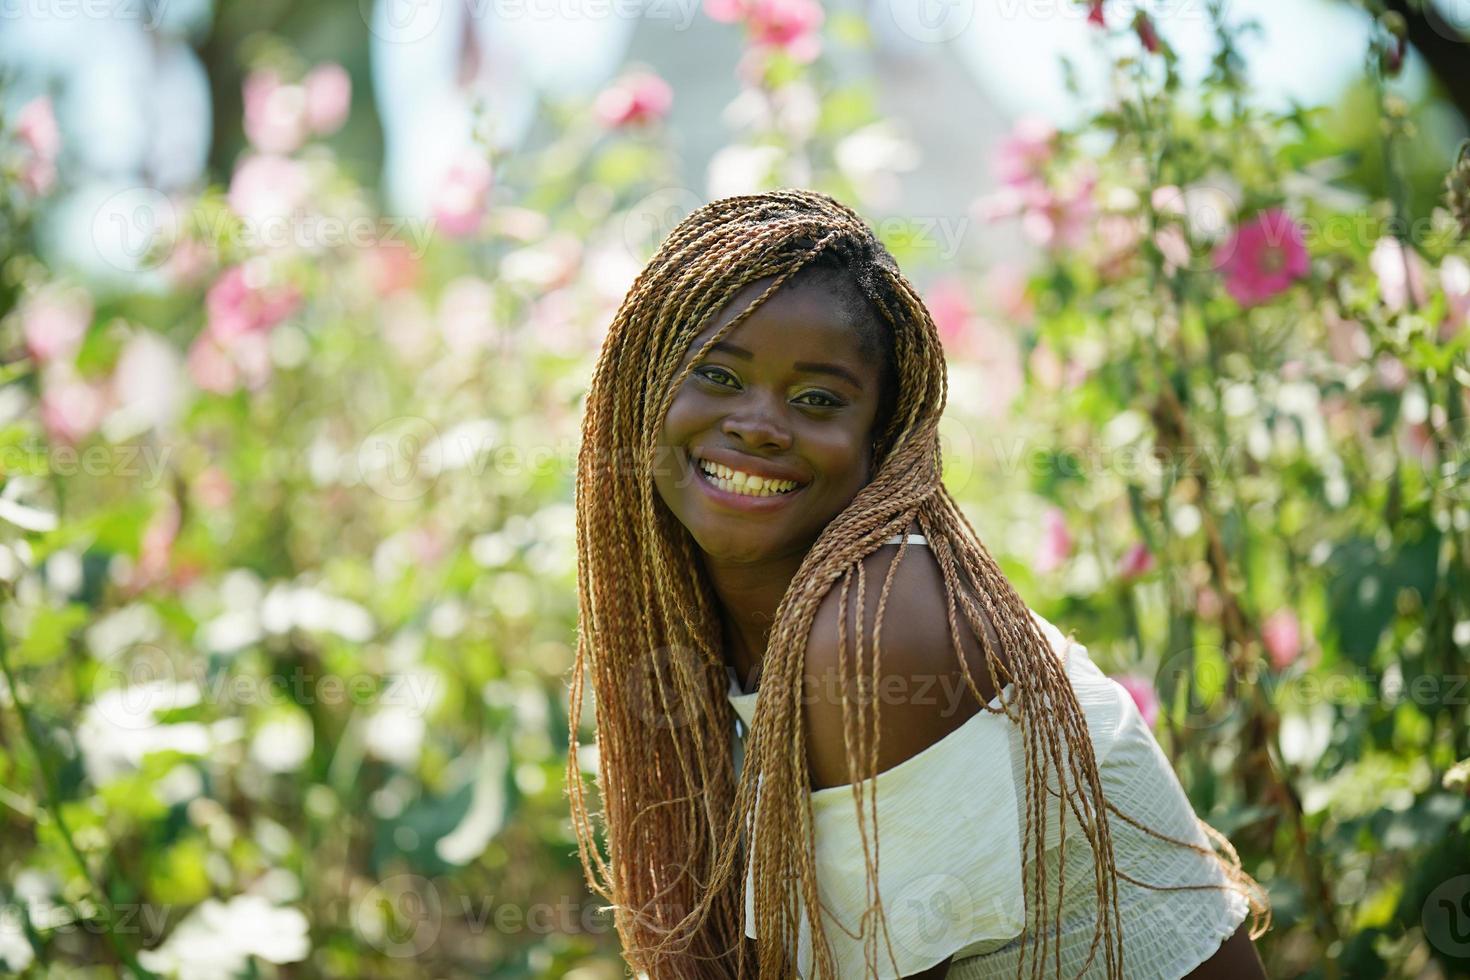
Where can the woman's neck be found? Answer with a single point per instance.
(748, 595)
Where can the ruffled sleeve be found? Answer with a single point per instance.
(949, 869)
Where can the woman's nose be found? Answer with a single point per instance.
(758, 426)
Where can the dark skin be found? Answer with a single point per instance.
(801, 396)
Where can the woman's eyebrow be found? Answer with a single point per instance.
(816, 367)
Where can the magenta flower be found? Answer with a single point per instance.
(1282, 635)
(1141, 690)
(36, 129)
(1056, 542)
(637, 98)
(1143, 26)
(1135, 562)
(459, 210)
(328, 97)
(1263, 258)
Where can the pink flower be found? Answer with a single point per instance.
(1141, 690)
(1118, 236)
(267, 188)
(275, 114)
(637, 98)
(1060, 219)
(239, 303)
(71, 408)
(36, 129)
(1401, 274)
(222, 367)
(1454, 277)
(55, 321)
(1053, 218)
(725, 11)
(1282, 635)
(391, 267)
(1056, 543)
(234, 348)
(328, 97)
(1135, 562)
(791, 26)
(949, 306)
(155, 551)
(1095, 13)
(460, 208)
(1004, 286)
(1263, 257)
(1025, 151)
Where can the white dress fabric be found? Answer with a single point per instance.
(955, 878)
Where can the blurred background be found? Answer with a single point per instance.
(298, 306)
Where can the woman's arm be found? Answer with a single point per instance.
(1236, 959)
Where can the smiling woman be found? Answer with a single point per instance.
(779, 385)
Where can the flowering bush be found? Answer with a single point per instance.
(288, 566)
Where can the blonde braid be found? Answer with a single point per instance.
(675, 816)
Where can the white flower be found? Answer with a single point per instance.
(121, 727)
(313, 610)
(283, 743)
(217, 939)
(15, 950)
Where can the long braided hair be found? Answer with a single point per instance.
(676, 818)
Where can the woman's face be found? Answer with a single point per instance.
(789, 396)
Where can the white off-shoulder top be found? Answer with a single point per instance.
(953, 874)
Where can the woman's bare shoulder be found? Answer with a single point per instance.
(920, 689)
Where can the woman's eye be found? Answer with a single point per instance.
(723, 378)
(708, 371)
(827, 401)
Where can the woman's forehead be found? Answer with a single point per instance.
(815, 297)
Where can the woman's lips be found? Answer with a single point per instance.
(741, 501)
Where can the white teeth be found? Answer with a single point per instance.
(738, 481)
